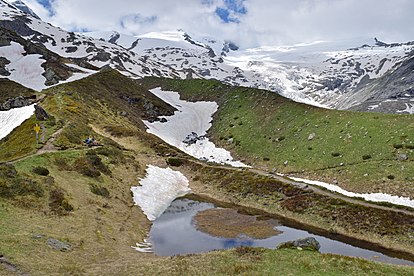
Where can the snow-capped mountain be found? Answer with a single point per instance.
(341, 74)
(24, 8)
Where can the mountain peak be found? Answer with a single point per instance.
(24, 8)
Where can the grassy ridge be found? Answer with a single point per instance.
(360, 150)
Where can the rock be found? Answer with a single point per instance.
(58, 245)
(402, 157)
(308, 243)
(230, 141)
(38, 236)
(335, 182)
(163, 120)
(40, 113)
(192, 138)
(17, 102)
(311, 136)
(123, 113)
(285, 163)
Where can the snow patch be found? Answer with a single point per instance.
(158, 189)
(409, 109)
(24, 69)
(143, 247)
(375, 197)
(190, 117)
(13, 118)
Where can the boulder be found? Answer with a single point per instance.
(58, 245)
(40, 113)
(192, 138)
(308, 243)
(402, 157)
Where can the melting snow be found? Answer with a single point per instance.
(13, 118)
(158, 189)
(409, 109)
(24, 69)
(375, 197)
(190, 117)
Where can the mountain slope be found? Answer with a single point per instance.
(330, 74)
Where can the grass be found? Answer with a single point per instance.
(10, 89)
(97, 217)
(269, 131)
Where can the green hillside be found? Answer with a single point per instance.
(81, 196)
(362, 152)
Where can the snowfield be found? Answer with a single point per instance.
(13, 118)
(374, 197)
(158, 189)
(190, 117)
(24, 69)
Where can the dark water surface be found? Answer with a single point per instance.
(174, 234)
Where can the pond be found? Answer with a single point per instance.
(178, 231)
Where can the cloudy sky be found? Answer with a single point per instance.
(247, 22)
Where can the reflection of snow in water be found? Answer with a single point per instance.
(13, 118)
(174, 233)
(375, 197)
(158, 189)
(190, 117)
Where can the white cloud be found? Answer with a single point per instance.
(267, 22)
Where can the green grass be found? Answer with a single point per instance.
(270, 131)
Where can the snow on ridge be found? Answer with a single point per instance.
(13, 118)
(158, 189)
(24, 69)
(375, 197)
(190, 117)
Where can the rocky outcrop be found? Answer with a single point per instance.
(308, 243)
(58, 245)
(17, 102)
(192, 138)
(40, 113)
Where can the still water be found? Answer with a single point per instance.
(174, 233)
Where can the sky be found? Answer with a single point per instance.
(249, 23)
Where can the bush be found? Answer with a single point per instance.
(391, 177)
(366, 157)
(91, 166)
(398, 146)
(62, 164)
(58, 203)
(40, 171)
(175, 162)
(99, 190)
(335, 154)
(11, 184)
(409, 146)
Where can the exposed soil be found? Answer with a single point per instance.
(228, 223)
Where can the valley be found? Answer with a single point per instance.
(182, 154)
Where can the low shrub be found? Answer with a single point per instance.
(335, 154)
(58, 203)
(99, 190)
(398, 146)
(175, 162)
(41, 171)
(366, 156)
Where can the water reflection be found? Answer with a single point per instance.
(174, 234)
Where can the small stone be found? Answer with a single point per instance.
(311, 136)
(285, 163)
(402, 157)
(163, 120)
(58, 245)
